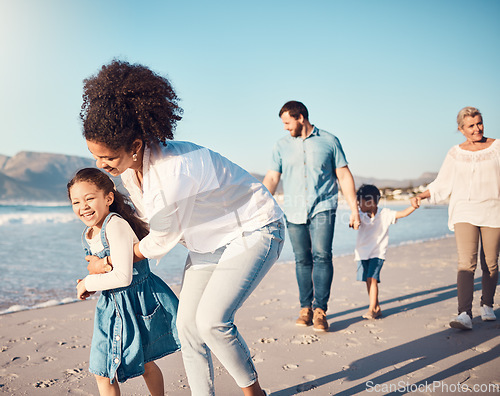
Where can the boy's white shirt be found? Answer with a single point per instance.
(121, 239)
(373, 234)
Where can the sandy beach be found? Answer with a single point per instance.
(411, 349)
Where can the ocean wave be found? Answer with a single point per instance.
(38, 204)
(45, 304)
(36, 218)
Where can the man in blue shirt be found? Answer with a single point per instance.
(311, 164)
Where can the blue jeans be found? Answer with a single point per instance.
(312, 245)
(210, 296)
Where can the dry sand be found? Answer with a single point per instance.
(46, 351)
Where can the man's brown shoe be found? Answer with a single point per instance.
(319, 320)
(305, 317)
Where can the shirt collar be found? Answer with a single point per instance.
(315, 132)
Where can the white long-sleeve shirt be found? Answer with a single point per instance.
(121, 239)
(195, 196)
(471, 181)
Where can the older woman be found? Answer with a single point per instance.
(229, 222)
(470, 178)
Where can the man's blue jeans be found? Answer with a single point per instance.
(312, 245)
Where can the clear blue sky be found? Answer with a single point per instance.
(386, 77)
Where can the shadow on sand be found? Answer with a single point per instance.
(412, 356)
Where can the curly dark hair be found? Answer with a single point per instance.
(121, 203)
(125, 102)
(368, 192)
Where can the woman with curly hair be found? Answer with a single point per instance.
(188, 194)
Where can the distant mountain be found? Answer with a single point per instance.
(42, 177)
(31, 177)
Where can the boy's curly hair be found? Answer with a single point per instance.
(125, 102)
(368, 192)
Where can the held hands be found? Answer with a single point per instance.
(354, 221)
(97, 265)
(415, 202)
(81, 292)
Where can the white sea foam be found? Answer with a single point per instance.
(36, 218)
(34, 203)
(45, 304)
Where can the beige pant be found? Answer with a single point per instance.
(472, 240)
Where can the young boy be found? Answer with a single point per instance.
(372, 241)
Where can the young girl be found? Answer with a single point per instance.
(136, 312)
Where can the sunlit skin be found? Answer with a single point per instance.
(90, 204)
(473, 129)
(299, 127)
(115, 162)
(368, 206)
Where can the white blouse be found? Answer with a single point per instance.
(195, 196)
(471, 181)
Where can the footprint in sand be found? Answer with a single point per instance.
(330, 353)
(19, 359)
(45, 383)
(309, 385)
(75, 374)
(380, 339)
(260, 318)
(290, 366)
(481, 348)
(270, 301)
(257, 359)
(305, 339)
(267, 340)
(352, 342)
(48, 359)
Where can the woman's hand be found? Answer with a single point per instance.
(81, 292)
(97, 265)
(415, 202)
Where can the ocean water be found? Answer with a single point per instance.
(41, 255)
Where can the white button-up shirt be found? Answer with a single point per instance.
(195, 196)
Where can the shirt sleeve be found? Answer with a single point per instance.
(173, 209)
(339, 156)
(389, 216)
(121, 239)
(441, 187)
(276, 163)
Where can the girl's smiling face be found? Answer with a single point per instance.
(90, 204)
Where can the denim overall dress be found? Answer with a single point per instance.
(133, 325)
